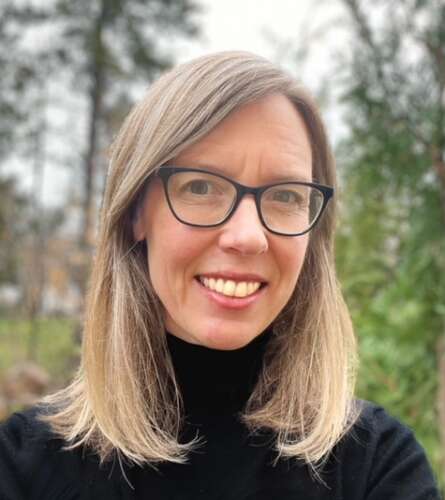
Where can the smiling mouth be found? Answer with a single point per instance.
(231, 288)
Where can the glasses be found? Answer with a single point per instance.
(200, 198)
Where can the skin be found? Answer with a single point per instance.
(256, 144)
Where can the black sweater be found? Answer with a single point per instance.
(379, 460)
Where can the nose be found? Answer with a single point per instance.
(244, 232)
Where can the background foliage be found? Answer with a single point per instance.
(391, 244)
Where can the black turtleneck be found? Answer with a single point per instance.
(233, 464)
(379, 459)
(216, 382)
(215, 386)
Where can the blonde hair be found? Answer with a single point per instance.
(125, 399)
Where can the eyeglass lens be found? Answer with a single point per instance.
(206, 199)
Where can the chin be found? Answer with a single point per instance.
(214, 336)
(225, 340)
(225, 344)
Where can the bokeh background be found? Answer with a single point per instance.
(69, 73)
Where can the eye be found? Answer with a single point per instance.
(198, 187)
(286, 196)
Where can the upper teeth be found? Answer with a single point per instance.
(230, 287)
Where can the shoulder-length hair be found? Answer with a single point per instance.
(125, 399)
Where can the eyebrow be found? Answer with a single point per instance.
(277, 177)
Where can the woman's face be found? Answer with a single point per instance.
(257, 144)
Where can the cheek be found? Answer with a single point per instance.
(173, 256)
(173, 248)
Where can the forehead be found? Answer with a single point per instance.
(267, 137)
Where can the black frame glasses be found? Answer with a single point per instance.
(166, 171)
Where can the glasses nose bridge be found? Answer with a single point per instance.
(242, 191)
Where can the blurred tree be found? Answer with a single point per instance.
(99, 51)
(21, 83)
(391, 245)
(23, 136)
(35, 259)
(12, 216)
(107, 45)
(103, 46)
(15, 72)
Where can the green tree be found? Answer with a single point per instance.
(391, 245)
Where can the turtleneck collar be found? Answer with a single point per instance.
(214, 381)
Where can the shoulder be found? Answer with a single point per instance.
(32, 456)
(381, 456)
(384, 436)
(21, 425)
(375, 424)
(27, 431)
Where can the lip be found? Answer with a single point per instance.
(233, 275)
(224, 301)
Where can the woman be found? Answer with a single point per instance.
(218, 356)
